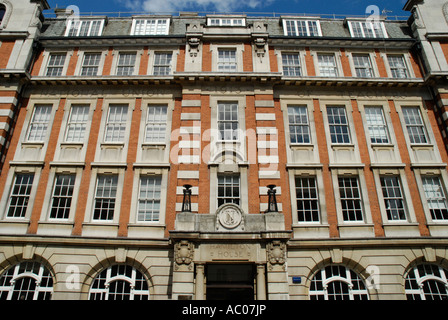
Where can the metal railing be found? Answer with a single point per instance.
(124, 14)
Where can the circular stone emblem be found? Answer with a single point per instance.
(230, 217)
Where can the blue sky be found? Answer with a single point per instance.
(321, 7)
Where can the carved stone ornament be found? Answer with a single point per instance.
(229, 216)
(194, 46)
(183, 253)
(276, 253)
(260, 47)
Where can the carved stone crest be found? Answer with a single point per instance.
(276, 251)
(183, 253)
(229, 216)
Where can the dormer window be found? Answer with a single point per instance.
(302, 28)
(147, 27)
(367, 29)
(226, 22)
(84, 28)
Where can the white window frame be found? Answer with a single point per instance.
(67, 195)
(114, 184)
(297, 68)
(156, 182)
(128, 65)
(342, 275)
(226, 21)
(235, 132)
(330, 125)
(107, 278)
(27, 196)
(435, 196)
(401, 197)
(76, 24)
(122, 124)
(296, 22)
(228, 199)
(227, 61)
(43, 278)
(344, 198)
(414, 284)
(83, 124)
(239, 49)
(309, 199)
(336, 67)
(378, 127)
(168, 65)
(305, 126)
(370, 26)
(406, 66)
(98, 66)
(159, 120)
(60, 67)
(422, 126)
(150, 26)
(44, 123)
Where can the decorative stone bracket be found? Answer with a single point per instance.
(183, 254)
(276, 251)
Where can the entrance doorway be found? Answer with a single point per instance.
(230, 282)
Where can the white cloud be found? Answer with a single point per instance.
(171, 6)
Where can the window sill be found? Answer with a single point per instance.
(155, 145)
(112, 144)
(72, 144)
(382, 145)
(422, 146)
(33, 143)
(342, 145)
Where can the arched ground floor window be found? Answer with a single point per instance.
(337, 282)
(26, 281)
(119, 282)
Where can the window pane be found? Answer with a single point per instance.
(291, 64)
(56, 64)
(62, 196)
(398, 67)
(149, 199)
(39, 123)
(90, 64)
(126, 64)
(156, 124)
(228, 189)
(162, 64)
(414, 125)
(227, 60)
(338, 125)
(377, 125)
(77, 124)
(435, 195)
(393, 198)
(298, 124)
(116, 124)
(228, 121)
(327, 65)
(351, 201)
(363, 66)
(26, 281)
(18, 201)
(307, 200)
(105, 195)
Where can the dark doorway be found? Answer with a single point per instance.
(230, 282)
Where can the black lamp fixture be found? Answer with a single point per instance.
(186, 203)
(272, 201)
